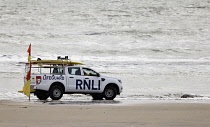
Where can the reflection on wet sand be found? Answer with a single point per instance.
(78, 102)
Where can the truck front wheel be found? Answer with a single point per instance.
(110, 93)
(56, 92)
(97, 96)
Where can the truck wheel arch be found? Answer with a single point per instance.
(59, 84)
(113, 85)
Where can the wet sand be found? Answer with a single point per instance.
(78, 114)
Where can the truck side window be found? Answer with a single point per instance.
(74, 71)
(89, 72)
(58, 70)
(55, 70)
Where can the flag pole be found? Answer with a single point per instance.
(30, 76)
(29, 97)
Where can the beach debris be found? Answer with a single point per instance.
(23, 107)
(187, 96)
(190, 96)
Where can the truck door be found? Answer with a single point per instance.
(92, 81)
(75, 79)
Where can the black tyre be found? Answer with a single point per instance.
(110, 93)
(56, 92)
(97, 96)
(42, 95)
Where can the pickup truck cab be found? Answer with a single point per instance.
(74, 79)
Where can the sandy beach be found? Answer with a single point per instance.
(29, 114)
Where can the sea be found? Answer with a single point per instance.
(160, 49)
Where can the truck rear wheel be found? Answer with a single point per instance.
(42, 95)
(56, 92)
(110, 93)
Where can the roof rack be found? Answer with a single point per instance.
(60, 61)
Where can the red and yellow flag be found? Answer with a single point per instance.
(26, 87)
(29, 53)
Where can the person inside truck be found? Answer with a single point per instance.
(55, 70)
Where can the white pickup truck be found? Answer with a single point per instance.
(74, 79)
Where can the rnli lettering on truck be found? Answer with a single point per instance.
(87, 84)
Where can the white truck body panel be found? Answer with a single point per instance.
(74, 83)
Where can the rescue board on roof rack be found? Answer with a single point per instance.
(59, 61)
